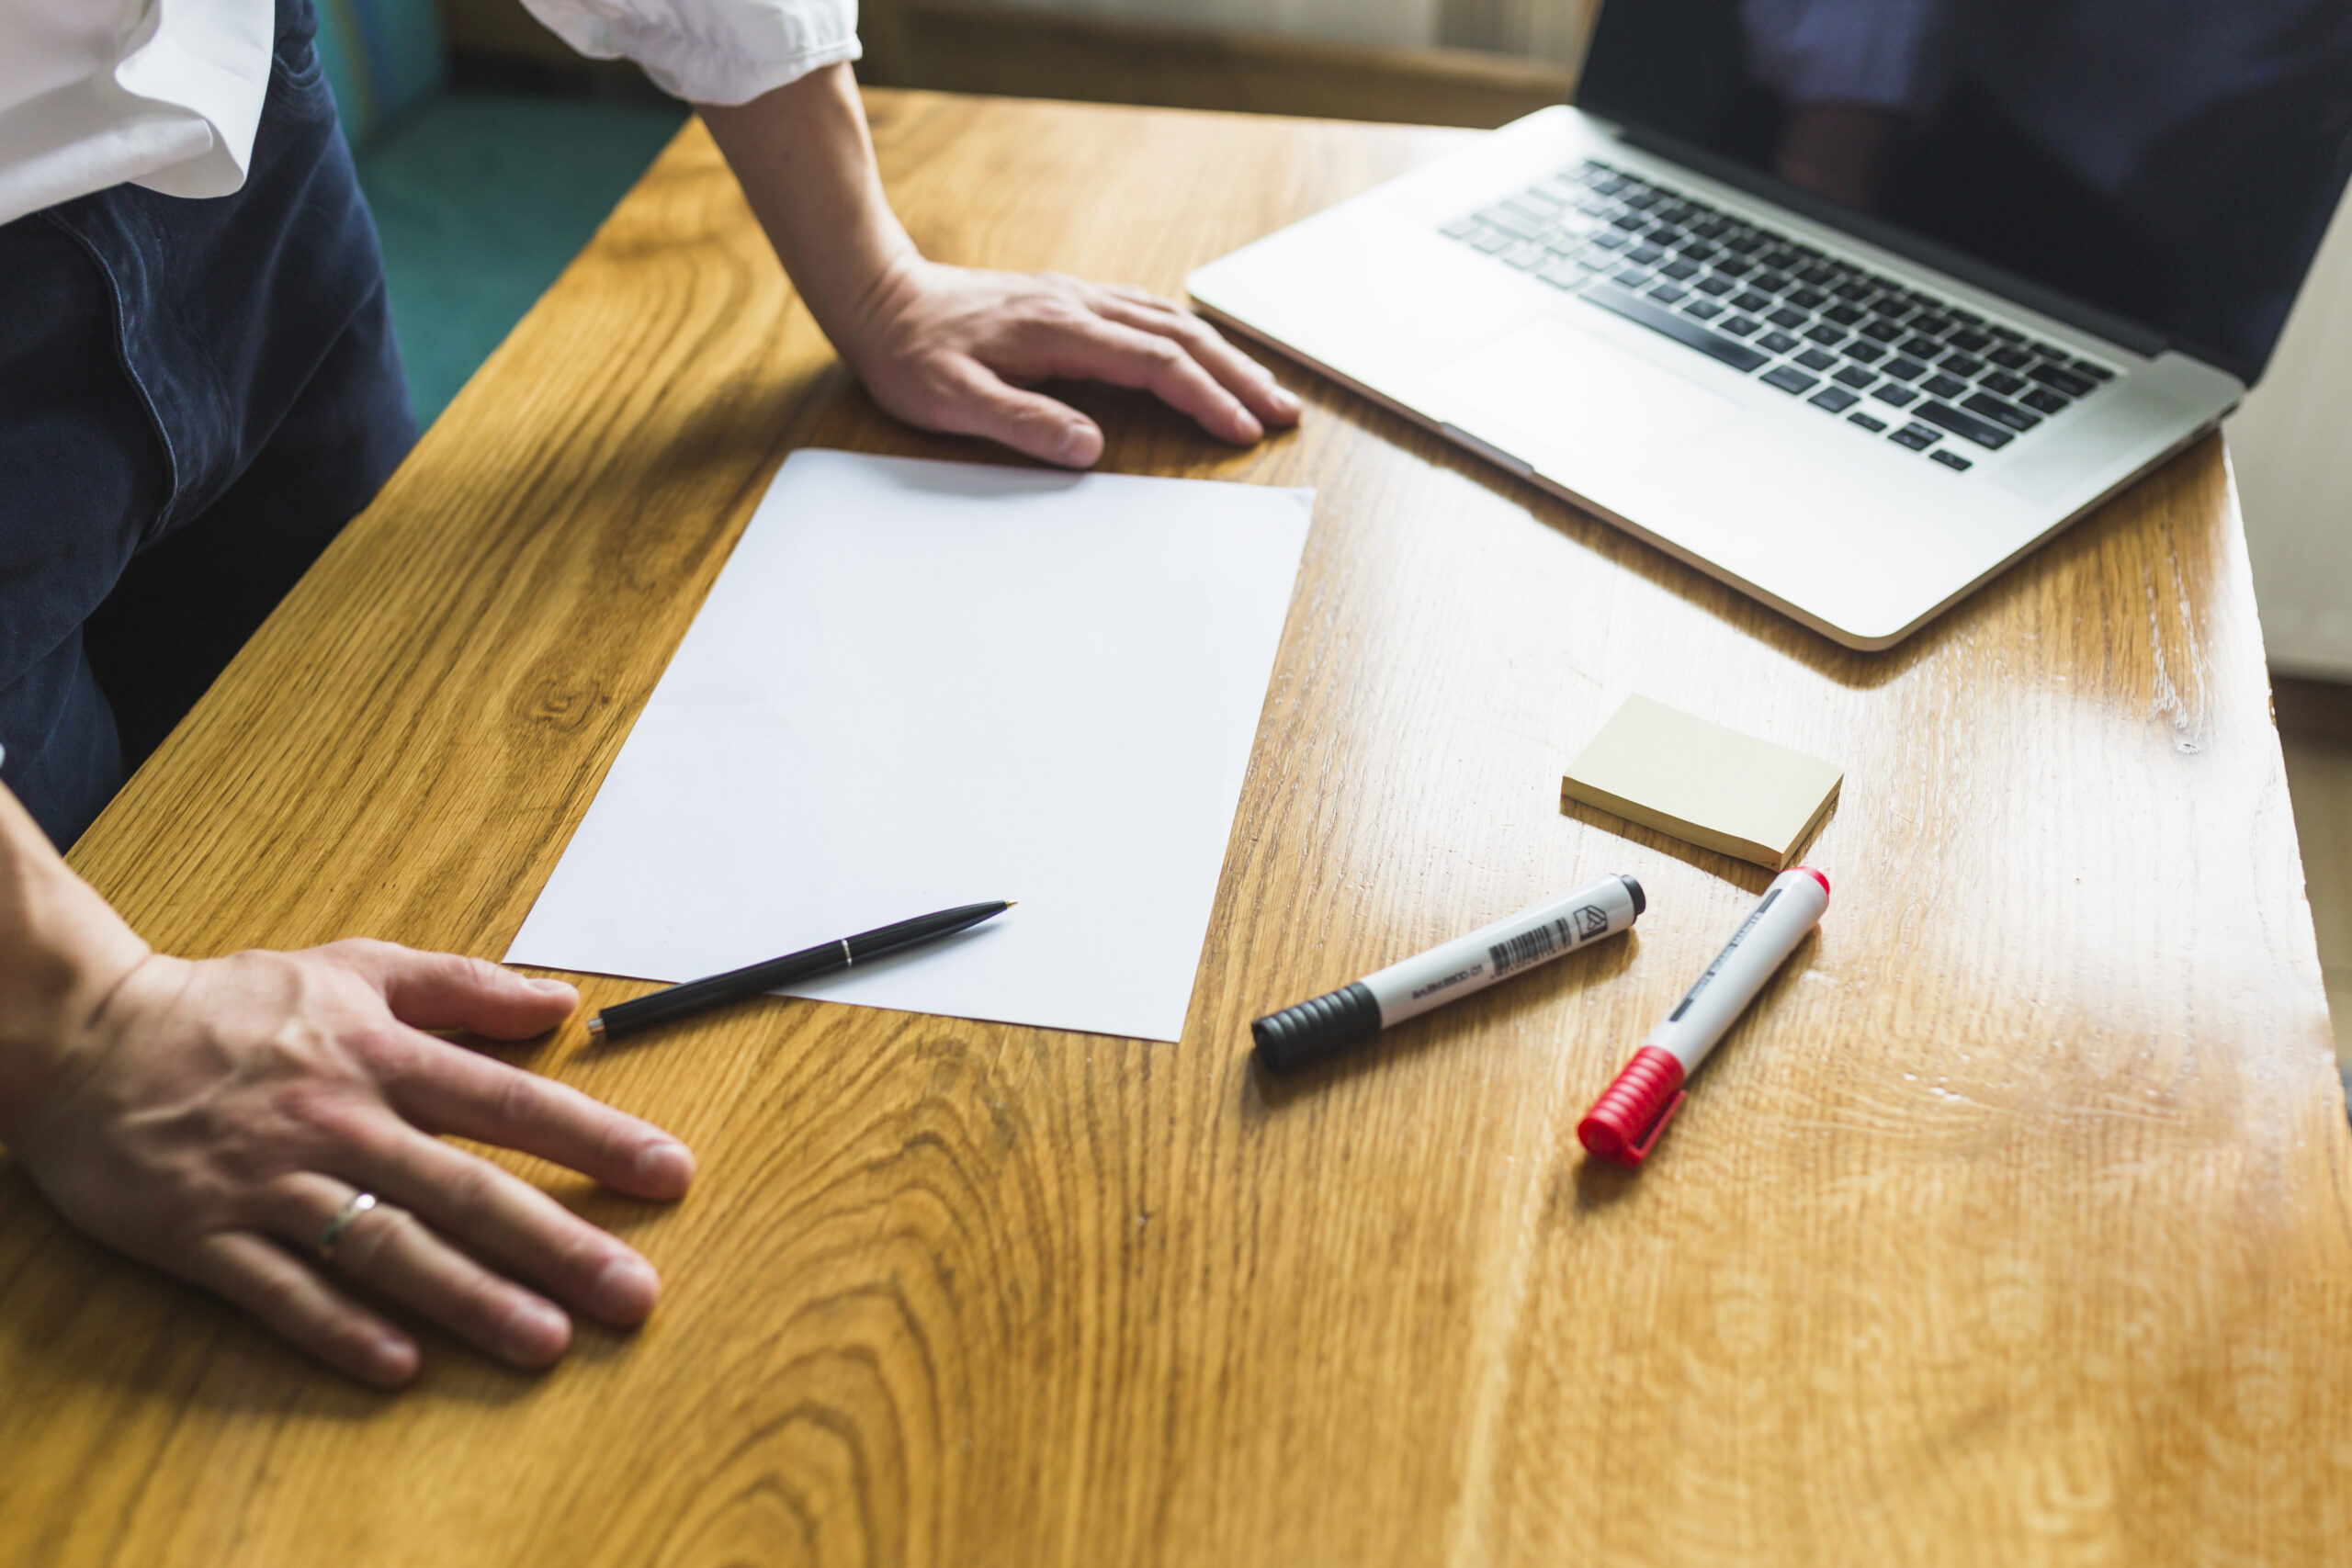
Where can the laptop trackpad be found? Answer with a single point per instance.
(1544, 388)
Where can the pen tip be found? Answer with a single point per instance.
(1008, 903)
(597, 1024)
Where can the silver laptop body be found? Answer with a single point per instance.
(1500, 298)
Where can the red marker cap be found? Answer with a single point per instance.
(1625, 1122)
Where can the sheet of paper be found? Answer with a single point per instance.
(921, 684)
(1713, 786)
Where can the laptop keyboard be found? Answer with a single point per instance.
(1892, 361)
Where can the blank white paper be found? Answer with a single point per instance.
(919, 684)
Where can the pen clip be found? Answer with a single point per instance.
(1641, 1151)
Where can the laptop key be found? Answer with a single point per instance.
(1705, 310)
(1867, 422)
(1460, 229)
(1634, 278)
(1563, 275)
(1964, 366)
(1919, 437)
(1837, 399)
(1951, 459)
(1919, 347)
(1528, 257)
(1492, 241)
(1865, 351)
(1680, 270)
(1881, 329)
(1894, 395)
(1790, 380)
(1943, 387)
(1991, 436)
(1776, 343)
(1681, 329)
(1643, 253)
(2062, 380)
(2004, 383)
(2095, 371)
(1808, 298)
(1715, 286)
(1844, 315)
(1771, 282)
(2010, 358)
(1512, 222)
(2048, 401)
(1671, 294)
(1968, 342)
(1751, 301)
(1740, 326)
(1856, 376)
(1903, 370)
(1999, 412)
(1826, 333)
(1816, 359)
(1785, 317)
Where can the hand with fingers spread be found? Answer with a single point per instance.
(265, 1125)
(955, 348)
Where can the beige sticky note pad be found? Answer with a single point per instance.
(1713, 786)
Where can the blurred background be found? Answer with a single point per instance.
(490, 153)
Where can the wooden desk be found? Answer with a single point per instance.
(2017, 1227)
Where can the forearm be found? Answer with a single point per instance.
(62, 952)
(806, 162)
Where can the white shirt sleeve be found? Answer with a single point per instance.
(709, 52)
(165, 93)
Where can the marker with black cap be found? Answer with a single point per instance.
(1297, 1036)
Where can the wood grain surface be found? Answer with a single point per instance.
(2012, 1227)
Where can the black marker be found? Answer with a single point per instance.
(1297, 1036)
(660, 1007)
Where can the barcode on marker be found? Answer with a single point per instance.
(1533, 947)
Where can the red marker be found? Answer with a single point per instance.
(1625, 1122)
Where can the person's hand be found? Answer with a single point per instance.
(956, 349)
(214, 1118)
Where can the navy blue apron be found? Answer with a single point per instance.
(195, 396)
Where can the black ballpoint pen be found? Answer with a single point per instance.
(842, 953)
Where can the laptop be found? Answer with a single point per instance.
(1848, 304)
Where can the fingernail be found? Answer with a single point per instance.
(535, 1333)
(391, 1359)
(552, 987)
(1077, 445)
(1285, 401)
(1249, 427)
(663, 1168)
(624, 1289)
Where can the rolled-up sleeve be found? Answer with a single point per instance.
(709, 52)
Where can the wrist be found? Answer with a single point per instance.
(860, 328)
(65, 952)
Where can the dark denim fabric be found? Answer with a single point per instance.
(195, 396)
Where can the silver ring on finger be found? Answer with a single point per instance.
(360, 1203)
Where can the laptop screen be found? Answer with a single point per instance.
(2172, 162)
